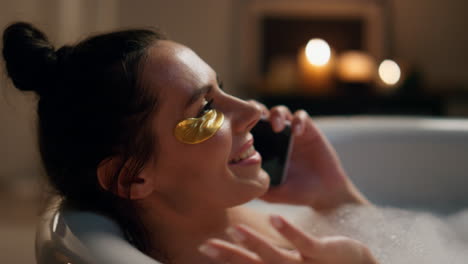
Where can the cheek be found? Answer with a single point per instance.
(211, 156)
(198, 160)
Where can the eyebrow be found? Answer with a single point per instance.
(197, 94)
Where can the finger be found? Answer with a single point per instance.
(257, 243)
(278, 116)
(308, 246)
(264, 110)
(348, 247)
(225, 252)
(299, 121)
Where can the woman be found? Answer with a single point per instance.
(114, 114)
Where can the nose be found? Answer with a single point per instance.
(245, 115)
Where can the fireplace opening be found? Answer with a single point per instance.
(284, 36)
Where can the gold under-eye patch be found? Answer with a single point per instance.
(197, 130)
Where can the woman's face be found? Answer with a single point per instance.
(203, 174)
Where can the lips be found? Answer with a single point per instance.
(245, 152)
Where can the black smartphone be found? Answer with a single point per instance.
(274, 148)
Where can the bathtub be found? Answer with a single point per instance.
(414, 163)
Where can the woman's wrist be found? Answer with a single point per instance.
(350, 195)
(356, 197)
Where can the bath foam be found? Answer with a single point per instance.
(401, 236)
(395, 236)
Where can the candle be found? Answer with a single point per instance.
(391, 76)
(315, 64)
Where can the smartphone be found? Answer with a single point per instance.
(275, 149)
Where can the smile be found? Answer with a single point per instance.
(244, 155)
(247, 156)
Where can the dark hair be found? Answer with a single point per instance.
(93, 105)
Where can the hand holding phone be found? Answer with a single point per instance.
(274, 149)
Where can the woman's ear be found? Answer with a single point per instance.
(114, 176)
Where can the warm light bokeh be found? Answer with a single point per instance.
(389, 72)
(315, 79)
(356, 66)
(318, 52)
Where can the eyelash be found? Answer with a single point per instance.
(221, 85)
(207, 107)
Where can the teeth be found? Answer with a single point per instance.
(249, 152)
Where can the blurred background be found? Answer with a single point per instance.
(330, 57)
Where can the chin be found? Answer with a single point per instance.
(263, 181)
(253, 188)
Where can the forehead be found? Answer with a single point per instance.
(175, 70)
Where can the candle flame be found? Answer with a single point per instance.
(389, 72)
(318, 52)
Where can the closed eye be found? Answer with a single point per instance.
(206, 107)
(220, 83)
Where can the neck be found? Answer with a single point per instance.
(177, 232)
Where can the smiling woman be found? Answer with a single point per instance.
(137, 127)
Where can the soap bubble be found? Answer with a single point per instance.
(394, 236)
(400, 236)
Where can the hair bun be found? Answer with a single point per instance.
(29, 57)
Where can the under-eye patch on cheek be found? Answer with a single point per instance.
(197, 130)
